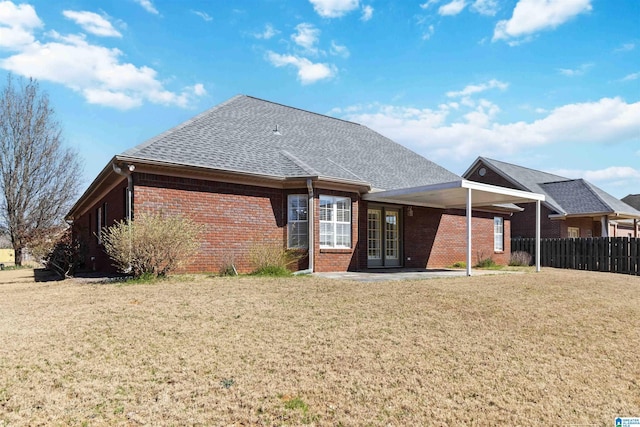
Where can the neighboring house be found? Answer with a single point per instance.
(630, 228)
(573, 207)
(254, 172)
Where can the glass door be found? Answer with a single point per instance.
(374, 238)
(392, 238)
(383, 237)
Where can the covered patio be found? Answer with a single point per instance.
(463, 194)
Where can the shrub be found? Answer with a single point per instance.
(271, 259)
(459, 264)
(520, 258)
(66, 255)
(152, 244)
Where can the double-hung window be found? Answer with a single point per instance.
(335, 222)
(298, 221)
(498, 234)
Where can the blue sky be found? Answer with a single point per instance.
(548, 84)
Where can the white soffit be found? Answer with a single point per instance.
(454, 195)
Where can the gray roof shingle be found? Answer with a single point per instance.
(239, 135)
(564, 195)
(632, 200)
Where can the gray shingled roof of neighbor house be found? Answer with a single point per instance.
(250, 135)
(632, 200)
(564, 195)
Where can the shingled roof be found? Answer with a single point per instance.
(250, 135)
(564, 195)
(632, 200)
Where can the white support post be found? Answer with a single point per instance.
(468, 232)
(537, 235)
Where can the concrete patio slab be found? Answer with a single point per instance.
(383, 275)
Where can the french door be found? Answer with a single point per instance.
(383, 237)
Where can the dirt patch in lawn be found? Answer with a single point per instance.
(558, 347)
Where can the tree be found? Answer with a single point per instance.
(39, 177)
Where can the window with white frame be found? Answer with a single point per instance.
(335, 222)
(298, 221)
(498, 234)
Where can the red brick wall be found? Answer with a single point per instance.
(85, 227)
(238, 217)
(435, 238)
(235, 217)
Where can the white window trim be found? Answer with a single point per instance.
(290, 221)
(334, 222)
(498, 236)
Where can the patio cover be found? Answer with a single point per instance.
(462, 194)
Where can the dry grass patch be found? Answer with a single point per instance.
(554, 348)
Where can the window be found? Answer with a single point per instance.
(298, 221)
(101, 221)
(573, 232)
(498, 234)
(335, 222)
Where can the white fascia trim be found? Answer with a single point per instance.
(478, 186)
(457, 184)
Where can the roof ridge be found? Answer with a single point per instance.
(590, 186)
(301, 164)
(564, 178)
(301, 109)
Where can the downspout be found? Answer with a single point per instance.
(127, 173)
(311, 208)
(311, 243)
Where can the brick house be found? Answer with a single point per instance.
(254, 172)
(572, 208)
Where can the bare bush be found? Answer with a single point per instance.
(520, 258)
(271, 258)
(152, 244)
(66, 255)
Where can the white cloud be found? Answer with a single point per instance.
(339, 50)
(532, 16)
(96, 72)
(203, 15)
(367, 13)
(631, 77)
(610, 173)
(626, 47)
(476, 130)
(429, 3)
(581, 70)
(148, 6)
(473, 89)
(306, 36)
(92, 23)
(334, 8)
(199, 90)
(268, 32)
(427, 34)
(452, 8)
(17, 24)
(308, 72)
(485, 7)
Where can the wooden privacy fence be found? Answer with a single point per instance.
(612, 254)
